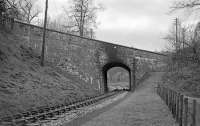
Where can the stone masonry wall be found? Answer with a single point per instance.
(84, 57)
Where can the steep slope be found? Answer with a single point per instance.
(24, 84)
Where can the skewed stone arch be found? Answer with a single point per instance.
(109, 66)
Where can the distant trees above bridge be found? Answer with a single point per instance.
(24, 10)
(82, 17)
(78, 16)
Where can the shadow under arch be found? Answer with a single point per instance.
(111, 65)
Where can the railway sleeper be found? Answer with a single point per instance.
(50, 112)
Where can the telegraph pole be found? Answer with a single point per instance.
(81, 20)
(183, 37)
(183, 42)
(176, 20)
(44, 34)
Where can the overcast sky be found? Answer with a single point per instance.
(136, 23)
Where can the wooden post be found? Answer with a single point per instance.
(157, 89)
(166, 95)
(44, 34)
(194, 113)
(160, 91)
(186, 112)
(173, 103)
(178, 107)
(170, 100)
(168, 92)
(175, 106)
(181, 111)
(163, 94)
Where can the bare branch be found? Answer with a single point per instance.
(186, 4)
(27, 10)
(84, 15)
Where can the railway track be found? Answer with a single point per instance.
(48, 113)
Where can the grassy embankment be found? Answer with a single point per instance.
(24, 84)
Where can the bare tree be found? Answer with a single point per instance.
(187, 48)
(2, 7)
(173, 36)
(10, 8)
(186, 4)
(83, 15)
(21, 9)
(191, 36)
(28, 11)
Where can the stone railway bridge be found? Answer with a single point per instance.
(86, 58)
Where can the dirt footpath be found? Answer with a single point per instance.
(141, 108)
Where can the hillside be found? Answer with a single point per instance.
(24, 84)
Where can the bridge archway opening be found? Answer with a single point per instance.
(109, 67)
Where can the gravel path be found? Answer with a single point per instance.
(141, 108)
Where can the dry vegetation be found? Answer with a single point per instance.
(183, 72)
(185, 81)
